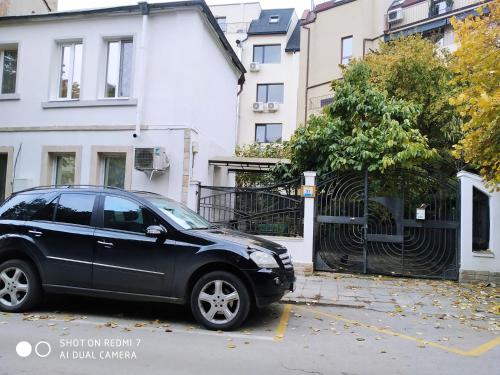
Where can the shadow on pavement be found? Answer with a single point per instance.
(146, 311)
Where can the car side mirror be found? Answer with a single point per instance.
(155, 231)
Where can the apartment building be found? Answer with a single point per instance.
(353, 28)
(269, 49)
(332, 34)
(17, 7)
(106, 97)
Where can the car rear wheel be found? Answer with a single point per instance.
(220, 300)
(20, 288)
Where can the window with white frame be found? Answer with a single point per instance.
(270, 92)
(63, 172)
(274, 19)
(346, 50)
(119, 68)
(70, 70)
(113, 169)
(268, 133)
(222, 22)
(8, 69)
(267, 54)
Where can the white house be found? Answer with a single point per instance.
(139, 97)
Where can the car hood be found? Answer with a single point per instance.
(242, 239)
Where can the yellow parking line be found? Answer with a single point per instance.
(471, 353)
(280, 330)
(481, 349)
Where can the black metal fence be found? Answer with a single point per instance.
(272, 210)
(400, 223)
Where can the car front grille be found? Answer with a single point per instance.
(286, 260)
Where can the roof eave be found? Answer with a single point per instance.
(136, 9)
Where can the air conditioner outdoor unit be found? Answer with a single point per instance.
(273, 106)
(254, 66)
(258, 107)
(151, 159)
(395, 15)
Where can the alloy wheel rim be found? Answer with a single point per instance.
(219, 302)
(13, 286)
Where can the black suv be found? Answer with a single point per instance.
(108, 242)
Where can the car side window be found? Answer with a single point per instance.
(21, 206)
(45, 213)
(75, 208)
(126, 215)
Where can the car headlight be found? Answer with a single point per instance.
(263, 260)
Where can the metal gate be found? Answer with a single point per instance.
(368, 223)
(271, 210)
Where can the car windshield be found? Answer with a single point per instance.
(179, 213)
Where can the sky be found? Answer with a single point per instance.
(299, 5)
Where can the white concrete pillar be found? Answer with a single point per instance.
(309, 205)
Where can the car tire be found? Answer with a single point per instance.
(224, 293)
(20, 279)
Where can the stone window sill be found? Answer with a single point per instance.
(10, 97)
(89, 103)
(483, 254)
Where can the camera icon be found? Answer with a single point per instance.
(42, 349)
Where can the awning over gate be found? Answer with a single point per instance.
(237, 163)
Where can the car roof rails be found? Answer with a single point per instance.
(45, 187)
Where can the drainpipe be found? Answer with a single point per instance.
(142, 58)
(241, 81)
(307, 72)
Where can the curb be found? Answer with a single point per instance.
(320, 303)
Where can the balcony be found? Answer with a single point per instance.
(426, 9)
(235, 28)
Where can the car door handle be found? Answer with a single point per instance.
(35, 232)
(104, 243)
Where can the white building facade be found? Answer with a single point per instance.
(99, 96)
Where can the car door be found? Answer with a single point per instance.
(64, 232)
(125, 259)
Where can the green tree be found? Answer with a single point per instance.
(476, 65)
(413, 69)
(363, 128)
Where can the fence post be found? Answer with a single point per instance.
(309, 205)
(198, 197)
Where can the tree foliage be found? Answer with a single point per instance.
(413, 69)
(363, 128)
(476, 65)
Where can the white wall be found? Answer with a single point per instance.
(190, 83)
(295, 246)
(471, 261)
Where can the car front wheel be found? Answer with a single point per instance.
(220, 300)
(20, 288)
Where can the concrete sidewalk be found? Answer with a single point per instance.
(477, 305)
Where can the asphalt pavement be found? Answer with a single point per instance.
(75, 335)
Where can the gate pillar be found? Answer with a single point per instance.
(309, 205)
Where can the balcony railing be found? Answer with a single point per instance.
(235, 28)
(429, 8)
